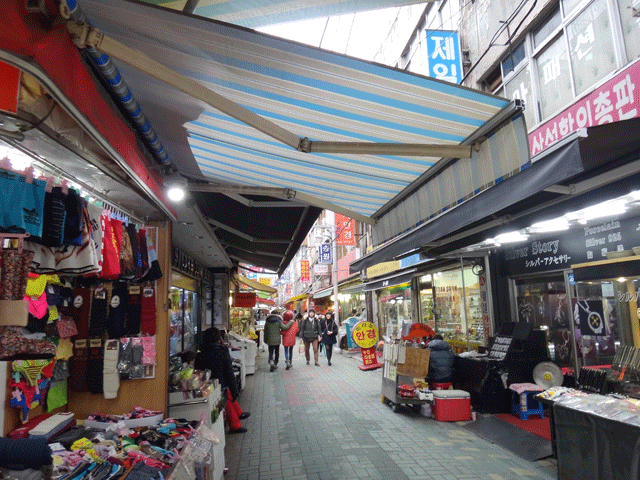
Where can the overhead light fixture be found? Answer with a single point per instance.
(622, 279)
(609, 208)
(554, 225)
(510, 237)
(176, 186)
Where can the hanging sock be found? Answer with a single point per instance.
(81, 306)
(98, 319)
(133, 312)
(148, 310)
(117, 305)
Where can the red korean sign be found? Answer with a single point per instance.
(345, 230)
(245, 300)
(9, 87)
(369, 356)
(618, 99)
(304, 271)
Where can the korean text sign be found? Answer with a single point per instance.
(324, 253)
(365, 334)
(443, 50)
(304, 271)
(345, 231)
(616, 100)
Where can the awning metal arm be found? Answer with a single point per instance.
(85, 35)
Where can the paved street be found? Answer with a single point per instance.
(326, 423)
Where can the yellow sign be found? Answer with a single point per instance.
(265, 280)
(365, 334)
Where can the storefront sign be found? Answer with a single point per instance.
(304, 271)
(264, 280)
(365, 334)
(324, 253)
(244, 299)
(319, 269)
(586, 244)
(9, 87)
(345, 230)
(443, 52)
(343, 264)
(618, 99)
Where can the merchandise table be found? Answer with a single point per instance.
(592, 446)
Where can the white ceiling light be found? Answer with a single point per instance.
(176, 186)
(510, 237)
(604, 209)
(554, 225)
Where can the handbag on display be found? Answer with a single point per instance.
(66, 327)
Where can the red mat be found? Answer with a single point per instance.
(535, 424)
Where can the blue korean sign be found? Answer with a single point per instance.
(324, 253)
(444, 56)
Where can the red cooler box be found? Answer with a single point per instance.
(451, 405)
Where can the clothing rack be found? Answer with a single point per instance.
(14, 236)
(28, 173)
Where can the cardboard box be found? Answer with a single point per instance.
(14, 313)
(416, 362)
(451, 405)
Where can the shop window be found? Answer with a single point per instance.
(569, 5)
(591, 46)
(543, 303)
(519, 86)
(427, 311)
(549, 25)
(394, 310)
(516, 56)
(630, 27)
(554, 77)
(452, 296)
(603, 311)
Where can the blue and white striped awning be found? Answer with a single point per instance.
(313, 93)
(250, 13)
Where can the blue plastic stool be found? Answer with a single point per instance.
(521, 405)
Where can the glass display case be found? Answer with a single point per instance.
(460, 308)
(543, 303)
(183, 317)
(394, 309)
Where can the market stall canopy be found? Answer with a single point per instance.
(270, 12)
(261, 287)
(304, 129)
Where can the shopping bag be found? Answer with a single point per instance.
(301, 349)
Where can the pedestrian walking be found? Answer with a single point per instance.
(272, 328)
(214, 356)
(310, 334)
(289, 337)
(329, 330)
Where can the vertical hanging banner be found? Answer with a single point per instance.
(324, 253)
(304, 271)
(345, 230)
(443, 53)
(9, 87)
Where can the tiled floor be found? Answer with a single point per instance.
(326, 423)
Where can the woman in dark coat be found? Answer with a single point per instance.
(214, 356)
(329, 330)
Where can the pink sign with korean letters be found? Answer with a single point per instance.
(618, 99)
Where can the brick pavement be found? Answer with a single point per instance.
(325, 423)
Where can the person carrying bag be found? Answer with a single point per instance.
(310, 333)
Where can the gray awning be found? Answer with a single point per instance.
(325, 292)
(579, 157)
(390, 280)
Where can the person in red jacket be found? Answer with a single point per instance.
(289, 337)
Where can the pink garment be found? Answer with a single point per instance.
(525, 387)
(38, 308)
(289, 336)
(148, 350)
